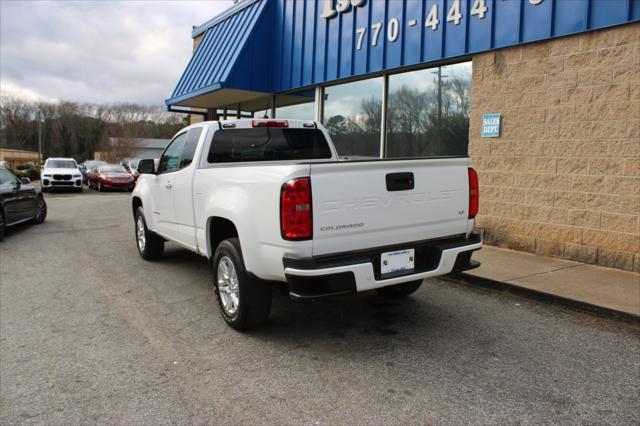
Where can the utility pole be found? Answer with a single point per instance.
(39, 141)
(439, 96)
(439, 125)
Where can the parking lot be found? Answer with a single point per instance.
(89, 332)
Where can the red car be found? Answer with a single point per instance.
(110, 176)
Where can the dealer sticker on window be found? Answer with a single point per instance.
(396, 261)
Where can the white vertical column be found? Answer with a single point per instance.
(319, 104)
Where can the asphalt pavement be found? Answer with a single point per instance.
(91, 333)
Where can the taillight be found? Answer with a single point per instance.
(474, 193)
(270, 123)
(295, 209)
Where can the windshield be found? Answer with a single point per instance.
(61, 164)
(134, 163)
(112, 169)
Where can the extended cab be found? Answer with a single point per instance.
(270, 201)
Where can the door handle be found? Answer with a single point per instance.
(168, 185)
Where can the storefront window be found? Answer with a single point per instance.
(299, 105)
(428, 112)
(352, 116)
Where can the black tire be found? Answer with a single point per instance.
(254, 294)
(79, 189)
(153, 245)
(41, 210)
(399, 290)
(1, 225)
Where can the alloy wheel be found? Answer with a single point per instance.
(228, 286)
(140, 233)
(41, 209)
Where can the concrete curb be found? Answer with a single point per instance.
(475, 281)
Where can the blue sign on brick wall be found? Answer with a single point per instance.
(491, 125)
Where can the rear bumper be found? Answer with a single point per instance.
(346, 273)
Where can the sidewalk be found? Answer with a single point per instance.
(573, 282)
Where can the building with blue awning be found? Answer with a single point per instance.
(542, 94)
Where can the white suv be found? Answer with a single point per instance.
(61, 173)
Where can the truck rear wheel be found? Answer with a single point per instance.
(243, 299)
(399, 290)
(150, 246)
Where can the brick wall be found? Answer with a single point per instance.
(563, 179)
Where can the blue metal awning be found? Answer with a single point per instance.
(225, 41)
(263, 47)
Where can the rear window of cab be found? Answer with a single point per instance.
(267, 144)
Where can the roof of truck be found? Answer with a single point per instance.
(248, 122)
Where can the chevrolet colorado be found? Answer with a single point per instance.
(270, 201)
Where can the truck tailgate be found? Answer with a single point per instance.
(365, 204)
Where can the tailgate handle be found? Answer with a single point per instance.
(400, 181)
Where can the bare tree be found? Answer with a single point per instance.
(460, 92)
(78, 130)
(16, 120)
(372, 109)
(65, 128)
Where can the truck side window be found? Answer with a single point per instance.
(190, 146)
(169, 162)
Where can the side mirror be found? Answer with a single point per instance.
(25, 180)
(146, 167)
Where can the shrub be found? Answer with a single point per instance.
(32, 173)
(18, 173)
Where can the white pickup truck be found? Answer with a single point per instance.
(270, 201)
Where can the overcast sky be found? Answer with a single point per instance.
(98, 51)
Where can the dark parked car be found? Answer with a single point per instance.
(88, 165)
(110, 176)
(19, 201)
